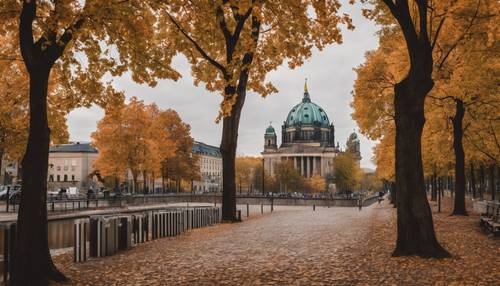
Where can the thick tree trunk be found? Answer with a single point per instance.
(32, 263)
(415, 234)
(459, 203)
(228, 149)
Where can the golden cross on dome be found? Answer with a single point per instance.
(305, 86)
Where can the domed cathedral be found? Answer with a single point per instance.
(307, 139)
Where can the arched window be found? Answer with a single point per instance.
(51, 178)
(58, 178)
(269, 142)
(65, 178)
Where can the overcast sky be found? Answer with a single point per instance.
(330, 79)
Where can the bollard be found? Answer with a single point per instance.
(125, 232)
(248, 210)
(80, 240)
(314, 207)
(272, 205)
(261, 208)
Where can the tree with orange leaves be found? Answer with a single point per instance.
(232, 46)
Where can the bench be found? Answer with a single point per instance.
(490, 220)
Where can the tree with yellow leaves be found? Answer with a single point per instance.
(137, 138)
(315, 184)
(183, 164)
(67, 36)
(347, 173)
(247, 168)
(288, 177)
(232, 45)
(430, 44)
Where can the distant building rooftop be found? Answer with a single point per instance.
(205, 149)
(77, 147)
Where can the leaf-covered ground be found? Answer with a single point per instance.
(296, 246)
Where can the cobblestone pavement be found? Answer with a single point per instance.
(292, 246)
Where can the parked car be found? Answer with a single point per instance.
(3, 192)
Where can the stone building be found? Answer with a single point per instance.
(210, 162)
(307, 140)
(71, 165)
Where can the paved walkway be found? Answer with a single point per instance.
(296, 246)
(292, 245)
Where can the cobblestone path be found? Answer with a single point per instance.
(296, 246)
(293, 245)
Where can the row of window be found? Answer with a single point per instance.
(58, 177)
(65, 168)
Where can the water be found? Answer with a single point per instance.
(60, 235)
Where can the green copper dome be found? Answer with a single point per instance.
(307, 113)
(270, 130)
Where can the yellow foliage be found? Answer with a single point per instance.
(231, 42)
(138, 138)
(465, 67)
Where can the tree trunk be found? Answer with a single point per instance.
(415, 235)
(459, 202)
(473, 180)
(32, 263)
(228, 149)
(434, 187)
(481, 181)
(393, 194)
(3, 181)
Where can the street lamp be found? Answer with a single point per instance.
(263, 178)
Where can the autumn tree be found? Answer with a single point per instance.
(288, 177)
(421, 28)
(232, 45)
(247, 168)
(183, 164)
(315, 184)
(347, 173)
(68, 36)
(14, 110)
(137, 138)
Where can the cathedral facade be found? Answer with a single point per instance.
(307, 140)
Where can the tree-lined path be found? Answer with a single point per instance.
(296, 246)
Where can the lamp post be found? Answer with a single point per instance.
(263, 178)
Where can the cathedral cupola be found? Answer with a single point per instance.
(270, 138)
